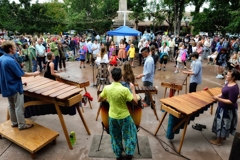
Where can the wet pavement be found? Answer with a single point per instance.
(195, 146)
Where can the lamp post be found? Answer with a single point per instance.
(187, 20)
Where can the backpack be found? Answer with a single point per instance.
(165, 56)
(183, 57)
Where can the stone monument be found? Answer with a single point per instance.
(119, 20)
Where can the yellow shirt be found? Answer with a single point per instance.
(131, 52)
(117, 96)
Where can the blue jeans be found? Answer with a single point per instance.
(74, 50)
(56, 61)
(34, 65)
(147, 96)
(40, 61)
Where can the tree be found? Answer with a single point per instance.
(91, 14)
(219, 17)
(154, 11)
(8, 15)
(137, 6)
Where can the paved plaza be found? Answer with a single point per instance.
(196, 145)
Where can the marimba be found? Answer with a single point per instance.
(143, 89)
(76, 81)
(175, 83)
(46, 91)
(184, 108)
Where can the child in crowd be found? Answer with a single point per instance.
(131, 53)
(49, 73)
(181, 58)
(102, 57)
(127, 74)
(82, 53)
(113, 60)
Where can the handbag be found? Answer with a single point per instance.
(179, 59)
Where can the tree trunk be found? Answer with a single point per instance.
(175, 18)
(136, 22)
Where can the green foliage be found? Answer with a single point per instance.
(222, 16)
(137, 7)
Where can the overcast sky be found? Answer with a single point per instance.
(188, 9)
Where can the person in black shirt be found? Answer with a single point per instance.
(154, 42)
(49, 73)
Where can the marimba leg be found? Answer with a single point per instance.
(60, 116)
(165, 92)
(165, 113)
(83, 120)
(211, 111)
(8, 115)
(99, 109)
(153, 105)
(183, 135)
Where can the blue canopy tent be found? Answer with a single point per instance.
(124, 31)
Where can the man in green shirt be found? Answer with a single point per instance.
(54, 49)
(121, 124)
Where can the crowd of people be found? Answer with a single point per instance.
(51, 53)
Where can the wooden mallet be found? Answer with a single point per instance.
(206, 89)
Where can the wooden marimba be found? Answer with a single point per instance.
(143, 89)
(175, 83)
(46, 91)
(76, 81)
(185, 106)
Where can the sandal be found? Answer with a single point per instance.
(26, 126)
(197, 127)
(201, 125)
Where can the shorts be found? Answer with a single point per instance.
(161, 61)
(82, 60)
(131, 59)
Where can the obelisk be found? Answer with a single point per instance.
(119, 20)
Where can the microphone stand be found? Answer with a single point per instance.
(93, 64)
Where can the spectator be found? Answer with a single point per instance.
(54, 50)
(221, 62)
(164, 54)
(40, 50)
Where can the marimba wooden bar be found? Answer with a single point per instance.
(139, 89)
(185, 106)
(175, 83)
(76, 81)
(46, 91)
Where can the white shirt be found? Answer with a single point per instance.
(164, 50)
(95, 48)
(102, 60)
(40, 49)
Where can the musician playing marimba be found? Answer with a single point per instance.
(49, 73)
(11, 85)
(225, 121)
(121, 124)
(195, 72)
(148, 73)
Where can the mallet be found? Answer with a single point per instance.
(206, 89)
(24, 84)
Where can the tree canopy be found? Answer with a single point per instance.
(55, 17)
